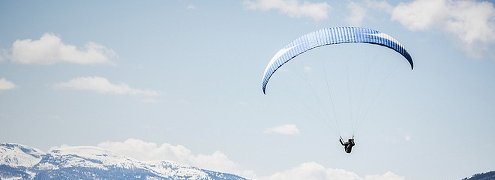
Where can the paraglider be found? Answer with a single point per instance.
(331, 36)
(347, 145)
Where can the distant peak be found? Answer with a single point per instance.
(20, 147)
(15, 155)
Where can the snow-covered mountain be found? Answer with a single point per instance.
(482, 176)
(85, 162)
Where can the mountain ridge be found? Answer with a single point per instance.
(482, 176)
(86, 162)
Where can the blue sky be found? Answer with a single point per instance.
(181, 79)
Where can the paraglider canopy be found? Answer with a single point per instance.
(330, 36)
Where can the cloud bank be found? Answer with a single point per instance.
(471, 22)
(6, 84)
(50, 49)
(104, 86)
(292, 8)
(315, 171)
(147, 151)
(312, 170)
(286, 129)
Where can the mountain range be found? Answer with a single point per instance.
(87, 162)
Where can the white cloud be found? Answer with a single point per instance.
(357, 15)
(387, 176)
(292, 8)
(381, 5)
(50, 49)
(6, 84)
(103, 86)
(315, 171)
(471, 22)
(147, 151)
(286, 129)
(420, 14)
